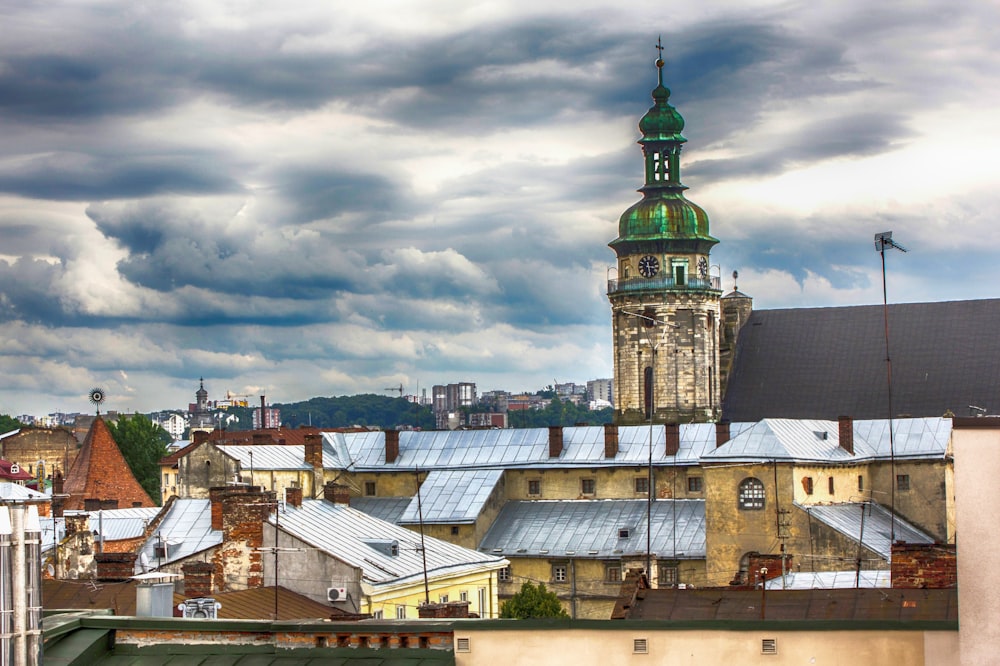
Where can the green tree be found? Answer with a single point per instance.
(8, 423)
(532, 601)
(142, 443)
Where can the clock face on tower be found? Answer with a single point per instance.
(703, 268)
(649, 266)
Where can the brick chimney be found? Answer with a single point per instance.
(391, 445)
(610, 440)
(846, 434)
(336, 493)
(293, 496)
(215, 496)
(672, 434)
(721, 433)
(200, 436)
(238, 562)
(450, 609)
(260, 438)
(197, 579)
(115, 566)
(555, 441)
(58, 496)
(314, 450)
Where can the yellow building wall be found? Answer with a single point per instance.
(610, 482)
(278, 480)
(929, 503)
(845, 484)
(586, 593)
(567, 646)
(409, 597)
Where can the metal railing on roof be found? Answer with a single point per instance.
(664, 281)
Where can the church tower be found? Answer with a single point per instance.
(664, 302)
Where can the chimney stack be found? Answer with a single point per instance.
(610, 440)
(555, 441)
(672, 434)
(238, 562)
(391, 445)
(197, 579)
(314, 450)
(200, 436)
(293, 496)
(115, 566)
(846, 434)
(721, 433)
(336, 493)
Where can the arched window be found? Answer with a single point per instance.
(751, 497)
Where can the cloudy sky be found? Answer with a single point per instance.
(306, 199)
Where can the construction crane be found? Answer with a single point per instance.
(396, 388)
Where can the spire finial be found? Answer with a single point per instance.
(659, 59)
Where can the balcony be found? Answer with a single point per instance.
(663, 281)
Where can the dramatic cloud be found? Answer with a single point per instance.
(315, 201)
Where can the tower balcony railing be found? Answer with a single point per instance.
(663, 282)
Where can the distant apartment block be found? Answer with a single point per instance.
(266, 417)
(600, 390)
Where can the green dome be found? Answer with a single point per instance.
(667, 217)
(662, 121)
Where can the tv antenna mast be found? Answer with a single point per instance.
(883, 241)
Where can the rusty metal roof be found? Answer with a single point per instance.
(892, 605)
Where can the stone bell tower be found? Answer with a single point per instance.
(664, 301)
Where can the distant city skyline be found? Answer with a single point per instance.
(316, 200)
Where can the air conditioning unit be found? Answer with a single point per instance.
(204, 608)
(336, 594)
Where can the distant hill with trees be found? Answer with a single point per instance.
(372, 410)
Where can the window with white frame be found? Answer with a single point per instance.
(559, 572)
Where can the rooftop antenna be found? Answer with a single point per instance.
(884, 241)
(736, 275)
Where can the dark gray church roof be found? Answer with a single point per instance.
(822, 363)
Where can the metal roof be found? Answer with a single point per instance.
(517, 448)
(15, 492)
(267, 456)
(187, 529)
(592, 529)
(455, 496)
(911, 438)
(818, 441)
(115, 524)
(388, 509)
(849, 518)
(831, 580)
(353, 537)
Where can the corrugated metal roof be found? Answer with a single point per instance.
(818, 441)
(455, 496)
(388, 509)
(268, 456)
(115, 524)
(846, 518)
(348, 534)
(187, 529)
(590, 529)
(831, 580)
(912, 438)
(518, 448)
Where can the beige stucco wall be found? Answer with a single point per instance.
(603, 647)
(977, 468)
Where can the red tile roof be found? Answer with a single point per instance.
(100, 472)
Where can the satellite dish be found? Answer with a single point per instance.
(51, 570)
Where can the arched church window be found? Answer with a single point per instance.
(751, 494)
